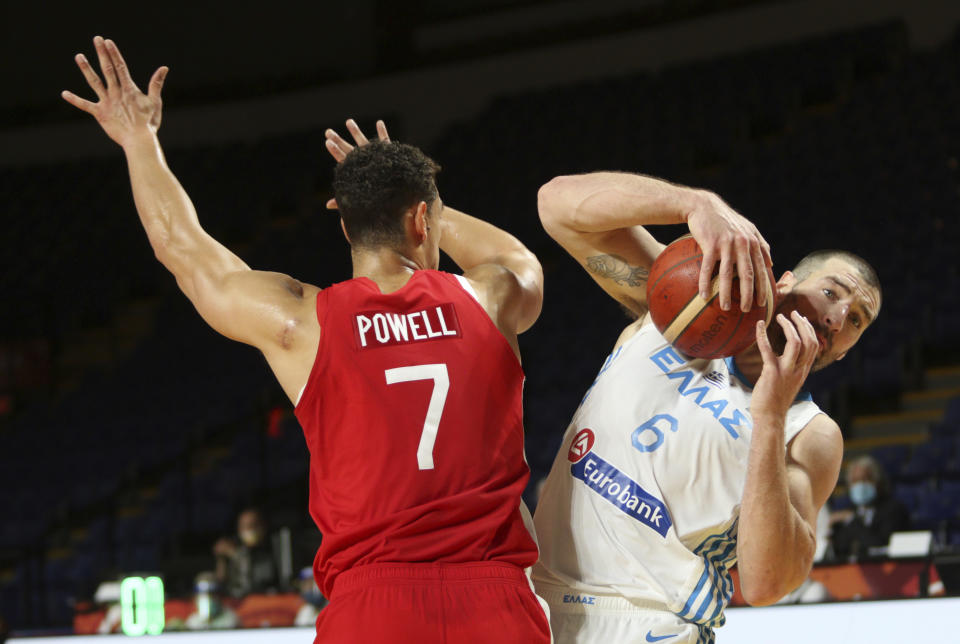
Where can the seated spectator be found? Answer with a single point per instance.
(875, 514)
(249, 563)
(313, 599)
(210, 612)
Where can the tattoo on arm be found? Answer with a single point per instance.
(616, 268)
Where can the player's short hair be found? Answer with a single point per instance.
(376, 183)
(816, 259)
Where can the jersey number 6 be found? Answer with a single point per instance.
(441, 384)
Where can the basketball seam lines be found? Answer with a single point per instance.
(667, 270)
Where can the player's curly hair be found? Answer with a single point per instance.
(375, 184)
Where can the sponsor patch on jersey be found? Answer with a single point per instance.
(622, 491)
(581, 445)
(389, 328)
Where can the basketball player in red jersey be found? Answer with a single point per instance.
(406, 380)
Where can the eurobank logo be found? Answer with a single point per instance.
(615, 486)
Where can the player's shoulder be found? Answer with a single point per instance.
(486, 275)
(631, 330)
(821, 437)
(823, 425)
(492, 283)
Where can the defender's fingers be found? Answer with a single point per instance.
(382, 131)
(706, 272)
(156, 82)
(119, 64)
(336, 151)
(339, 141)
(765, 247)
(93, 80)
(745, 272)
(726, 277)
(760, 280)
(808, 336)
(763, 343)
(792, 348)
(355, 131)
(106, 64)
(79, 103)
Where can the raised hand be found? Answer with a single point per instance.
(339, 148)
(783, 375)
(728, 237)
(122, 110)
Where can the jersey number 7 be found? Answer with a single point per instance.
(441, 384)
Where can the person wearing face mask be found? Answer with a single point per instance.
(247, 564)
(875, 513)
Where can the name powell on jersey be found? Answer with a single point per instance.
(388, 328)
(615, 486)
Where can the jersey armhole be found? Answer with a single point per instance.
(320, 308)
(468, 287)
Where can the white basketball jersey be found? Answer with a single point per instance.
(644, 496)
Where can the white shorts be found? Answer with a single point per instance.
(580, 618)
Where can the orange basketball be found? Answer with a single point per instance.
(697, 327)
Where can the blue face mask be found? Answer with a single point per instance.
(863, 492)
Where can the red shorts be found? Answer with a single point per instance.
(475, 603)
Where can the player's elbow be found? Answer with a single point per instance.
(553, 204)
(770, 586)
(761, 594)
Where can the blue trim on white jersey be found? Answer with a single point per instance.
(802, 396)
(707, 601)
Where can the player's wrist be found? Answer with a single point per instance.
(769, 418)
(139, 139)
(693, 202)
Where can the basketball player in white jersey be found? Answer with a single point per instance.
(674, 468)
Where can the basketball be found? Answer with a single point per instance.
(697, 327)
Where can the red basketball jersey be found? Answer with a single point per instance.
(413, 417)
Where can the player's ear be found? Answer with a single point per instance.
(344, 229)
(420, 223)
(785, 283)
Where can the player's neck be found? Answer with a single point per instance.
(388, 267)
(750, 363)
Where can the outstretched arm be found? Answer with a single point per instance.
(506, 275)
(600, 219)
(249, 306)
(782, 495)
